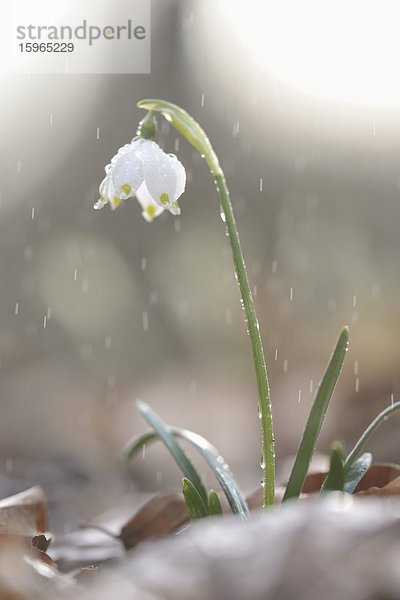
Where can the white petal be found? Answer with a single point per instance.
(151, 210)
(107, 194)
(126, 170)
(174, 208)
(162, 174)
(180, 175)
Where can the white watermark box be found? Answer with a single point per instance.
(76, 36)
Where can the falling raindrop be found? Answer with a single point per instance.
(51, 119)
(202, 100)
(285, 365)
(98, 133)
(392, 398)
(153, 298)
(145, 320)
(354, 301)
(143, 264)
(33, 212)
(228, 316)
(19, 166)
(28, 253)
(311, 386)
(107, 342)
(85, 286)
(276, 354)
(86, 351)
(291, 295)
(261, 184)
(111, 380)
(44, 321)
(16, 309)
(299, 397)
(375, 291)
(75, 274)
(357, 384)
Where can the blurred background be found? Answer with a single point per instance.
(97, 309)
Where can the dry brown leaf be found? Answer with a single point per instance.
(381, 479)
(41, 542)
(161, 515)
(23, 514)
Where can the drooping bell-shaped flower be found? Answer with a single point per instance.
(144, 170)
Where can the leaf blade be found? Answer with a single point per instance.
(383, 416)
(316, 417)
(174, 448)
(354, 474)
(210, 454)
(194, 503)
(214, 505)
(334, 480)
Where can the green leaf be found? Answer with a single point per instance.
(181, 459)
(210, 454)
(214, 505)
(316, 417)
(194, 502)
(372, 427)
(335, 478)
(356, 472)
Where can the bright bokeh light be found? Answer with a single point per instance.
(338, 49)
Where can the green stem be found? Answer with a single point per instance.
(192, 131)
(264, 396)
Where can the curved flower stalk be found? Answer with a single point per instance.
(192, 131)
(157, 179)
(143, 170)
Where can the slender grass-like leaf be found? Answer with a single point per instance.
(334, 481)
(372, 427)
(354, 474)
(214, 505)
(170, 442)
(210, 454)
(316, 417)
(194, 502)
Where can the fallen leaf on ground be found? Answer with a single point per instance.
(381, 479)
(159, 516)
(24, 514)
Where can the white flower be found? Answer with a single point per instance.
(143, 170)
